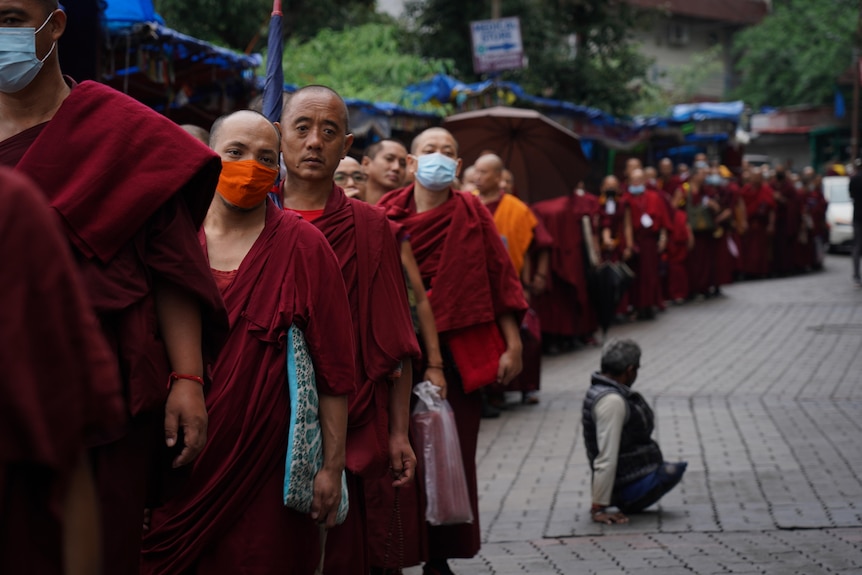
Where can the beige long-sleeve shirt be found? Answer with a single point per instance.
(609, 413)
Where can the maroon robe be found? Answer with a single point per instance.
(565, 308)
(531, 334)
(702, 262)
(131, 216)
(725, 260)
(678, 257)
(229, 517)
(788, 218)
(58, 382)
(646, 288)
(369, 255)
(471, 281)
(757, 243)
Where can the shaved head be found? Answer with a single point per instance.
(419, 140)
(248, 117)
(197, 132)
(491, 162)
(316, 90)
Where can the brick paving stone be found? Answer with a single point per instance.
(759, 390)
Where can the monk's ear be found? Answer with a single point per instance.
(458, 168)
(366, 161)
(57, 24)
(348, 142)
(411, 163)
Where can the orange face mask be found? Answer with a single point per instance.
(245, 183)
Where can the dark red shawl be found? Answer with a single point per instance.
(132, 189)
(290, 275)
(563, 219)
(57, 378)
(369, 256)
(759, 201)
(461, 257)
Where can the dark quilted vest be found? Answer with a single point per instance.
(639, 454)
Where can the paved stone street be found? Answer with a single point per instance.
(759, 390)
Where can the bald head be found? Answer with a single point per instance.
(665, 167)
(438, 135)
(491, 162)
(637, 177)
(631, 165)
(316, 93)
(244, 120)
(489, 172)
(610, 184)
(197, 132)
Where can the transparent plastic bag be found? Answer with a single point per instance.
(436, 437)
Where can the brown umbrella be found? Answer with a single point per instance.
(545, 157)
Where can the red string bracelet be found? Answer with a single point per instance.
(175, 376)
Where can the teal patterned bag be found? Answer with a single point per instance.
(305, 439)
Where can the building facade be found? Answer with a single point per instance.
(674, 32)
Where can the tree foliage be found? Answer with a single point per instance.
(683, 84)
(795, 55)
(578, 50)
(368, 62)
(240, 23)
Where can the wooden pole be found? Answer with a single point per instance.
(495, 9)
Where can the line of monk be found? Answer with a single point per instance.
(162, 271)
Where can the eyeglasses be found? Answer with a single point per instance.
(341, 177)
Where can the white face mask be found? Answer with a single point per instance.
(435, 172)
(18, 61)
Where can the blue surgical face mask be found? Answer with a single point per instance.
(435, 172)
(714, 179)
(18, 61)
(637, 189)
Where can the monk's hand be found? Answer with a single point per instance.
(627, 254)
(402, 460)
(540, 284)
(436, 376)
(327, 496)
(607, 518)
(510, 366)
(186, 408)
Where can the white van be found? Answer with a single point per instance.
(839, 214)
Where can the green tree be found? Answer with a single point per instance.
(368, 62)
(578, 50)
(797, 52)
(684, 82)
(239, 24)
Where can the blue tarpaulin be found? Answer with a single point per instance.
(122, 13)
(129, 16)
(708, 111)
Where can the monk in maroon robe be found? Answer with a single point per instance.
(564, 309)
(701, 193)
(650, 222)
(52, 401)
(529, 244)
(679, 246)
(757, 242)
(274, 270)
(472, 285)
(131, 188)
(667, 181)
(315, 139)
(788, 219)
